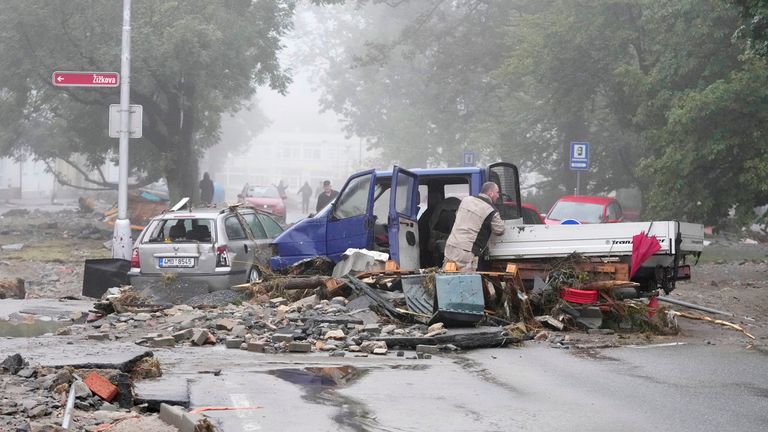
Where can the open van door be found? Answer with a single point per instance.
(350, 221)
(506, 176)
(402, 222)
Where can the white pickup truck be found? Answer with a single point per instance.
(607, 243)
(409, 214)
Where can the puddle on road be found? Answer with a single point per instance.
(320, 384)
(30, 328)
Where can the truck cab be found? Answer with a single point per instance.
(406, 213)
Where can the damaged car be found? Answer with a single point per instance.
(209, 247)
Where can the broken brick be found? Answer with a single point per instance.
(300, 347)
(256, 346)
(101, 386)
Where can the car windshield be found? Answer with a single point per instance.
(263, 192)
(580, 211)
(180, 230)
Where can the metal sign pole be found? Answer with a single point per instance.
(121, 241)
(578, 182)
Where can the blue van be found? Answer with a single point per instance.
(406, 213)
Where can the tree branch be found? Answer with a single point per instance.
(103, 185)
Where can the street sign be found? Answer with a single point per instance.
(580, 156)
(86, 79)
(136, 119)
(469, 158)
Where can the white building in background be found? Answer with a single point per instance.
(25, 179)
(294, 158)
(30, 179)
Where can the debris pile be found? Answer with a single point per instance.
(338, 326)
(77, 397)
(375, 309)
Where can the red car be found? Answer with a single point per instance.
(531, 215)
(265, 198)
(585, 209)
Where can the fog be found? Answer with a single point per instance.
(413, 83)
(286, 137)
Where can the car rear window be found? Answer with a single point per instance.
(580, 211)
(180, 230)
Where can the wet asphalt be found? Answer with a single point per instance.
(676, 387)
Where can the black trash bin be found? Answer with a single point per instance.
(103, 274)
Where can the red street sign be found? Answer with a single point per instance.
(86, 79)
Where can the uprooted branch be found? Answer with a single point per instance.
(716, 321)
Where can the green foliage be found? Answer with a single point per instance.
(754, 28)
(711, 153)
(658, 88)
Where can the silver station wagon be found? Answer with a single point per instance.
(202, 250)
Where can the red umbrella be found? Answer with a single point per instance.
(642, 249)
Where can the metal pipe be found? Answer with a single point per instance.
(70, 406)
(693, 306)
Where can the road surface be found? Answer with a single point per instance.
(672, 387)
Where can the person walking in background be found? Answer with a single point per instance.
(306, 193)
(206, 189)
(326, 196)
(282, 190)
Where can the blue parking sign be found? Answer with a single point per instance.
(580, 156)
(469, 158)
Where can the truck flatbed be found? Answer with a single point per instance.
(603, 240)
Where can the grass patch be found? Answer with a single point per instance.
(55, 250)
(732, 253)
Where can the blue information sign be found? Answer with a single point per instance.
(580, 156)
(469, 158)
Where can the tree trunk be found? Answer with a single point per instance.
(182, 160)
(182, 175)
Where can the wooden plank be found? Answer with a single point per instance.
(482, 337)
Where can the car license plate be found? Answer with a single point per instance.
(177, 262)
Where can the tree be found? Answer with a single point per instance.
(655, 86)
(626, 74)
(564, 58)
(754, 27)
(191, 61)
(415, 80)
(712, 154)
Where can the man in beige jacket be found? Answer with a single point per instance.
(476, 219)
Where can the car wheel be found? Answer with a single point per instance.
(254, 276)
